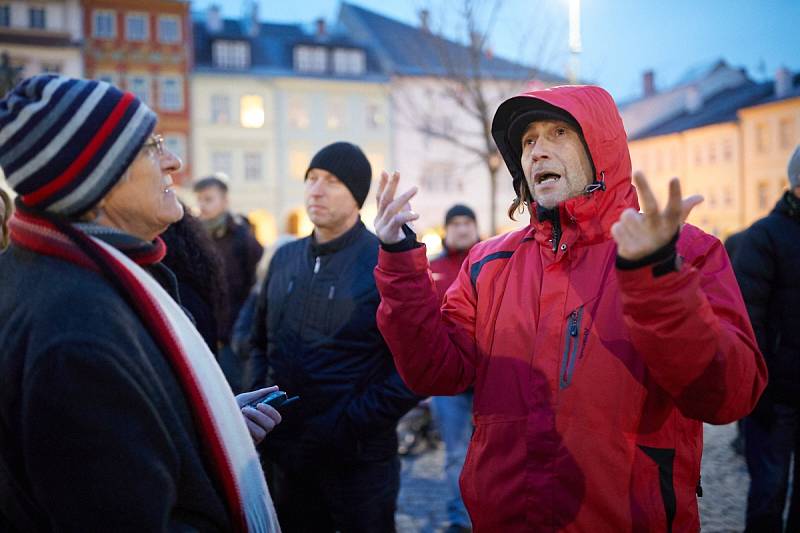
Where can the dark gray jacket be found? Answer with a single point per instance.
(315, 335)
(95, 431)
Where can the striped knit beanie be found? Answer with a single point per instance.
(64, 142)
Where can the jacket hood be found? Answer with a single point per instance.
(594, 110)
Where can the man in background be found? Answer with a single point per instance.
(767, 262)
(240, 251)
(453, 414)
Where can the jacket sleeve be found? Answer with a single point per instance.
(94, 444)
(755, 271)
(434, 348)
(381, 405)
(692, 331)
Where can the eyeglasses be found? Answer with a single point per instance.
(156, 141)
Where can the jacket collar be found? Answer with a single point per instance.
(343, 241)
(789, 205)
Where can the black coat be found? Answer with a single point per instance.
(94, 428)
(767, 266)
(315, 335)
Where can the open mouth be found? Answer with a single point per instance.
(546, 176)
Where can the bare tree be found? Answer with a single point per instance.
(467, 74)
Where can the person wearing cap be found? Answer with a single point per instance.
(453, 414)
(113, 412)
(598, 339)
(240, 252)
(767, 263)
(332, 462)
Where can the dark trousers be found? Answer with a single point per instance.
(770, 441)
(348, 498)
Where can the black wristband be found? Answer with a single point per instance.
(409, 243)
(663, 260)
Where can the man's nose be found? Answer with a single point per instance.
(170, 162)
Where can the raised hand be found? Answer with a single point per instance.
(640, 234)
(262, 419)
(393, 212)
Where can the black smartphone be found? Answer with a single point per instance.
(275, 399)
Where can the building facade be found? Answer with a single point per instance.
(42, 36)
(266, 97)
(145, 47)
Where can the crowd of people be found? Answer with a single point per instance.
(571, 363)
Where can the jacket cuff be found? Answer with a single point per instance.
(663, 261)
(409, 243)
(413, 260)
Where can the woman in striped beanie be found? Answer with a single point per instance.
(114, 415)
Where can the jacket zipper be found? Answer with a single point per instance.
(316, 265)
(571, 346)
(556, 231)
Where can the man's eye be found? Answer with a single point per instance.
(561, 131)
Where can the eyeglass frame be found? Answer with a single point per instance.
(155, 141)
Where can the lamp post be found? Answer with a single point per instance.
(574, 40)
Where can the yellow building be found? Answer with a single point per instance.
(732, 148)
(771, 131)
(266, 98)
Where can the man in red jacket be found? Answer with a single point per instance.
(598, 339)
(453, 413)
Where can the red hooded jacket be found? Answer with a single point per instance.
(591, 383)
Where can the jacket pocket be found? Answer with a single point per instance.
(664, 459)
(574, 339)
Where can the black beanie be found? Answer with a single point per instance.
(349, 164)
(459, 210)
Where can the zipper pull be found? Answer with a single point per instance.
(331, 292)
(316, 265)
(573, 324)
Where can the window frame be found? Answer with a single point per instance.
(163, 103)
(134, 15)
(178, 29)
(96, 13)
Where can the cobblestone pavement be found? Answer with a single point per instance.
(423, 493)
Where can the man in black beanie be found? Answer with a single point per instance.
(333, 466)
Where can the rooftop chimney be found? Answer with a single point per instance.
(322, 31)
(648, 83)
(783, 82)
(214, 19)
(424, 20)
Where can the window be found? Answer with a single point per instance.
(298, 113)
(140, 86)
(169, 29)
(698, 156)
(349, 61)
(108, 77)
(310, 59)
(36, 18)
(222, 161)
(104, 24)
(252, 166)
(712, 153)
(176, 143)
(251, 111)
(375, 117)
(170, 93)
(786, 132)
(336, 113)
(727, 196)
(298, 163)
(5, 16)
(231, 54)
(137, 27)
(727, 150)
(50, 67)
(220, 109)
(761, 138)
(712, 199)
(763, 194)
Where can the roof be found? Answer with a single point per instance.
(408, 50)
(720, 108)
(723, 107)
(272, 49)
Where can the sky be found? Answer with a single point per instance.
(620, 38)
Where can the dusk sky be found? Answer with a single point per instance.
(620, 38)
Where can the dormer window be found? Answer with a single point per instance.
(310, 58)
(231, 54)
(349, 61)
